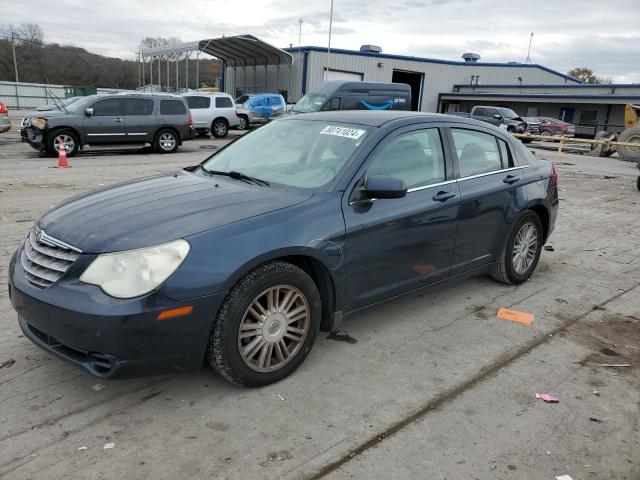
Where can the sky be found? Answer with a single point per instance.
(601, 35)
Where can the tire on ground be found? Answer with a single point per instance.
(244, 122)
(598, 150)
(53, 136)
(223, 352)
(503, 271)
(219, 128)
(166, 141)
(630, 135)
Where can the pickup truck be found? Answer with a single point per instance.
(497, 116)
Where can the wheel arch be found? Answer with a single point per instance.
(75, 131)
(219, 117)
(543, 214)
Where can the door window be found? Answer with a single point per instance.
(198, 102)
(479, 112)
(109, 107)
(490, 112)
(477, 152)
(223, 102)
(138, 106)
(415, 157)
(172, 107)
(588, 117)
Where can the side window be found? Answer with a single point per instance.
(223, 102)
(276, 101)
(505, 154)
(479, 112)
(138, 106)
(415, 157)
(351, 102)
(172, 107)
(490, 112)
(198, 102)
(477, 152)
(107, 107)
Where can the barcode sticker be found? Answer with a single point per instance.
(353, 133)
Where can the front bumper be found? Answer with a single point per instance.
(34, 137)
(109, 337)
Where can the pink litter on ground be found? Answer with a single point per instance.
(547, 397)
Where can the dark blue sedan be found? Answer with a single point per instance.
(242, 259)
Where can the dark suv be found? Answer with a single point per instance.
(112, 122)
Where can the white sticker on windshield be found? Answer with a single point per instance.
(353, 133)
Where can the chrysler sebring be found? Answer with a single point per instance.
(239, 261)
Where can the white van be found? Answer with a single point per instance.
(212, 112)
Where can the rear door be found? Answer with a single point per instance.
(174, 113)
(200, 107)
(397, 245)
(140, 122)
(492, 190)
(226, 108)
(107, 124)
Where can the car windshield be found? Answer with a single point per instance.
(312, 102)
(296, 153)
(508, 113)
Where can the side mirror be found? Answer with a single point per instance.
(88, 112)
(497, 116)
(381, 186)
(334, 104)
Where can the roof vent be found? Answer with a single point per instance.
(371, 48)
(470, 57)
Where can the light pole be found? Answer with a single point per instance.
(300, 21)
(326, 74)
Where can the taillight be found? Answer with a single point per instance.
(554, 176)
(3, 108)
(190, 121)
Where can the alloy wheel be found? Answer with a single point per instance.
(274, 328)
(167, 141)
(525, 248)
(66, 141)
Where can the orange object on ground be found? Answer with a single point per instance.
(176, 312)
(515, 316)
(62, 156)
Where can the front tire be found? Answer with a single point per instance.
(65, 137)
(521, 253)
(244, 122)
(266, 325)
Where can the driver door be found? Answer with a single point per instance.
(397, 245)
(107, 124)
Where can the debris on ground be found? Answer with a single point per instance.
(597, 420)
(547, 397)
(342, 337)
(281, 397)
(515, 316)
(563, 477)
(107, 446)
(81, 449)
(596, 392)
(8, 363)
(98, 386)
(549, 248)
(614, 365)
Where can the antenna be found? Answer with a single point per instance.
(528, 59)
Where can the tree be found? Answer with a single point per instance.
(586, 75)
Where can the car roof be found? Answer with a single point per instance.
(373, 118)
(213, 94)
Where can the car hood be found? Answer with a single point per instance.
(160, 209)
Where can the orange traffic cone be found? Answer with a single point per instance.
(62, 156)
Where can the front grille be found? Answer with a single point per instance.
(45, 259)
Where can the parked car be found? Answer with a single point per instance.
(111, 122)
(553, 126)
(58, 104)
(287, 230)
(5, 123)
(533, 125)
(212, 112)
(258, 108)
(343, 95)
(497, 116)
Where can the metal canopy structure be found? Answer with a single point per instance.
(239, 51)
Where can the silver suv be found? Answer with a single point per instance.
(212, 112)
(257, 108)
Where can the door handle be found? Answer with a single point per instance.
(443, 196)
(510, 179)
(118, 120)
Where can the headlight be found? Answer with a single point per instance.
(135, 272)
(38, 122)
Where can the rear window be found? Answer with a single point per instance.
(223, 102)
(172, 107)
(198, 102)
(138, 106)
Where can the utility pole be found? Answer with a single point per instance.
(326, 76)
(300, 21)
(13, 48)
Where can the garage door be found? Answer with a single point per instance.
(349, 76)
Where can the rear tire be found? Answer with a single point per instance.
(598, 150)
(219, 128)
(630, 135)
(520, 256)
(240, 322)
(66, 136)
(166, 141)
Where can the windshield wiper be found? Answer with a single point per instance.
(237, 176)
